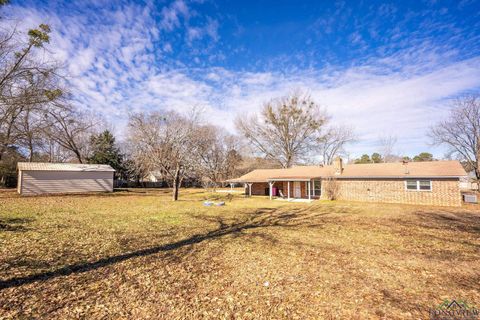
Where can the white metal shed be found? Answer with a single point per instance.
(46, 178)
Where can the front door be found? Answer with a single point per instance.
(297, 191)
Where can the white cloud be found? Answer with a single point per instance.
(209, 29)
(113, 70)
(172, 14)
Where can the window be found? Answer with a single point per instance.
(418, 185)
(411, 184)
(425, 185)
(316, 188)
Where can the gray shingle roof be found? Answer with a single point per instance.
(46, 166)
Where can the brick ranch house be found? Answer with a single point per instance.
(426, 183)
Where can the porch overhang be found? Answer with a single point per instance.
(295, 178)
(289, 179)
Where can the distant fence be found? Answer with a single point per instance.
(141, 184)
(186, 183)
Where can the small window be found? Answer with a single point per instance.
(418, 185)
(317, 188)
(411, 184)
(425, 185)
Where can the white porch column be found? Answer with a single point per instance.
(250, 189)
(231, 186)
(271, 185)
(288, 190)
(309, 190)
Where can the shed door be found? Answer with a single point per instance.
(297, 193)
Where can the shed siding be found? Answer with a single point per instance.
(45, 182)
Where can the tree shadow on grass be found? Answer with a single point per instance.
(449, 220)
(447, 226)
(262, 218)
(14, 224)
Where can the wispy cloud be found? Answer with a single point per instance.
(120, 61)
(172, 14)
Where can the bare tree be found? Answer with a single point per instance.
(26, 79)
(214, 154)
(31, 129)
(287, 129)
(387, 146)
(71, 129)
(331, 187)
(163, 141)
(333, 143)
(461, 131)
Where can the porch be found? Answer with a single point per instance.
(294, 188)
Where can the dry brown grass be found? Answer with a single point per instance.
(136, 255)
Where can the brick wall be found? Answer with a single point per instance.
(258, 189)
(445, 192)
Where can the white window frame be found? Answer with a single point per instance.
(418, 185)
(312, 188)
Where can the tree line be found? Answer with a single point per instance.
(378, 158)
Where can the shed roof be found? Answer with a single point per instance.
(427, 169)
(47, 166)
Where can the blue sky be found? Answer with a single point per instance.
(384, 68)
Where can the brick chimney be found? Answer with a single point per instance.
(338, 165)
(405, 165)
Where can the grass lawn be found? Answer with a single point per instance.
(136, 254)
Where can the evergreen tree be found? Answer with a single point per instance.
(105, 151)
(423, 156)
(364, 159)
(376, 158)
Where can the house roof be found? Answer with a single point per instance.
(258, 175)
(46, 166)
(427, 169)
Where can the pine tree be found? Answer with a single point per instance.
(363, 159)
(105, 151)
(423, 156)
(376, 158)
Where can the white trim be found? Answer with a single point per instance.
(351, 177)
(316, 181)
(418, 185)
(397, 177)
(20, 182)
(270, 184)
(365, 177)
(289, 179)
